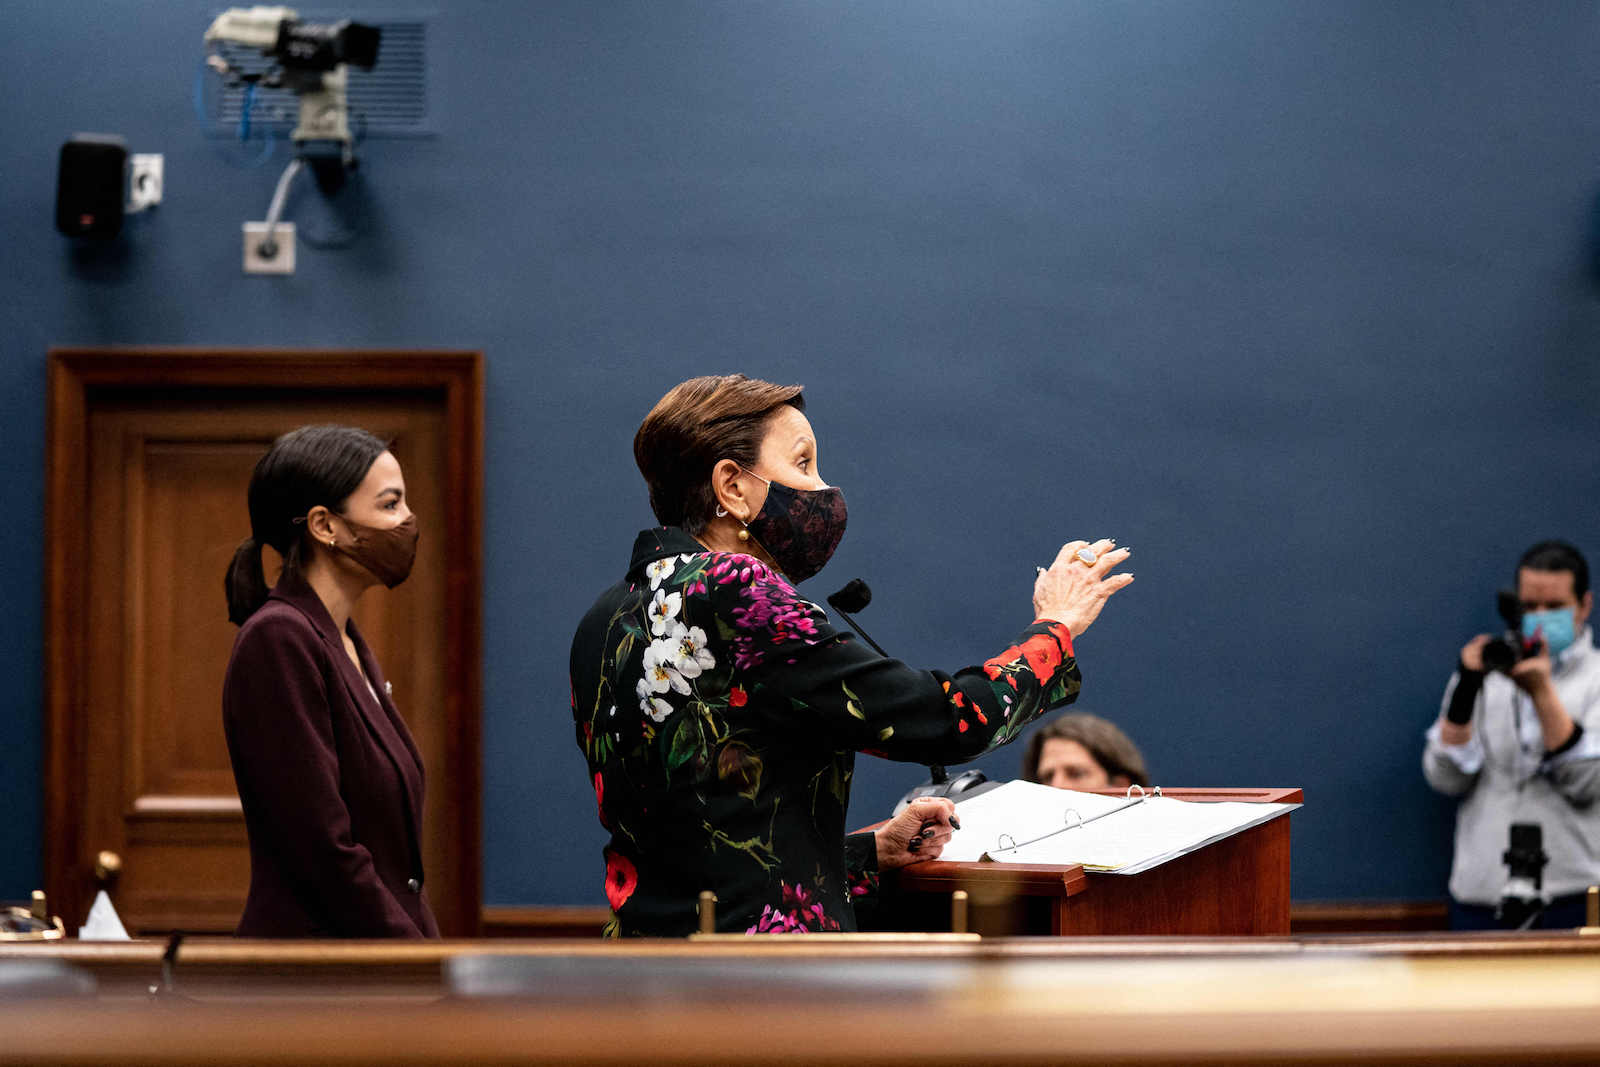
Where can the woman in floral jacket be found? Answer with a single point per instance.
(719, 709)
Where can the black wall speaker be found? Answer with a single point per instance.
(91, 185)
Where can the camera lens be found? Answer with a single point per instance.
(1499, 654)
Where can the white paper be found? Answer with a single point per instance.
(1021, 811)
(103, 924)
(1144, 835)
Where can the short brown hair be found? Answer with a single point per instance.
(1109, 746)
(692, 428)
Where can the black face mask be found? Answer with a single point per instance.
(799, 528)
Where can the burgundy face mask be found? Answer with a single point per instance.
(387, 553)
(799, 528)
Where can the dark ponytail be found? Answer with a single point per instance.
(303, 468)
(246, 582)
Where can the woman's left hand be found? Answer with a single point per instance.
(918, 833)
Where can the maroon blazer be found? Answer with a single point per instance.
(329, 777)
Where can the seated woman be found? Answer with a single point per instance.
(720, 710)
(1082, 751)
(329, 778)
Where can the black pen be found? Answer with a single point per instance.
(929, 824)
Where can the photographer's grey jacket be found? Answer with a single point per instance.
(1503, 776)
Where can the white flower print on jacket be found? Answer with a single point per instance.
(651, 704)
(690, 655)
(663, 611)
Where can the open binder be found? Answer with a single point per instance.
(1022, 822)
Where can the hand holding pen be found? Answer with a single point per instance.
(918, 833)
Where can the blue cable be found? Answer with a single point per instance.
(244, 111)
(268, 142)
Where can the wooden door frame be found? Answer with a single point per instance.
(76, 371)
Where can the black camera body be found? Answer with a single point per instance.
(314, 46)
(1510, 648)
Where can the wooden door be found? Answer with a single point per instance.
(151, 453)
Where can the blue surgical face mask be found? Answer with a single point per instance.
(1556, 628)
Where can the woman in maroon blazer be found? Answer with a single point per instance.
(329, 777)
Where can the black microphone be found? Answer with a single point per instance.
(855, 596)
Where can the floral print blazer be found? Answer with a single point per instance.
(720, 713)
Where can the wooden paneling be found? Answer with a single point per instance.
(1342, 917)
(1368, 916)
(545, 922)
(151, 452)
(1236, 886)
(178, 490)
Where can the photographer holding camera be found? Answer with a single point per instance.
(1518, 740)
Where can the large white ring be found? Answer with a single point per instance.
(1086, 557)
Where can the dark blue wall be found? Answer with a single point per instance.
(1297, 299)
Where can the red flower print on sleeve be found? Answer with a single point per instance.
(1063, 637)
(1043, 653)
(994, 667)
(622, 878)
(959, 699)
(1043, 656)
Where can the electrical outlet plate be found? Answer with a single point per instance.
(282, 262)
(145, 175)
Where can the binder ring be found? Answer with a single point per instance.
(1000, 842)
(1076, 820)
(1129, 794)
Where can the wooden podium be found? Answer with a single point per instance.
(1238, 886)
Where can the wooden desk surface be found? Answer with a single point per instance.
(1452, 998)
(227, 968)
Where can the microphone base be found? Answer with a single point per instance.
(963, 786)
